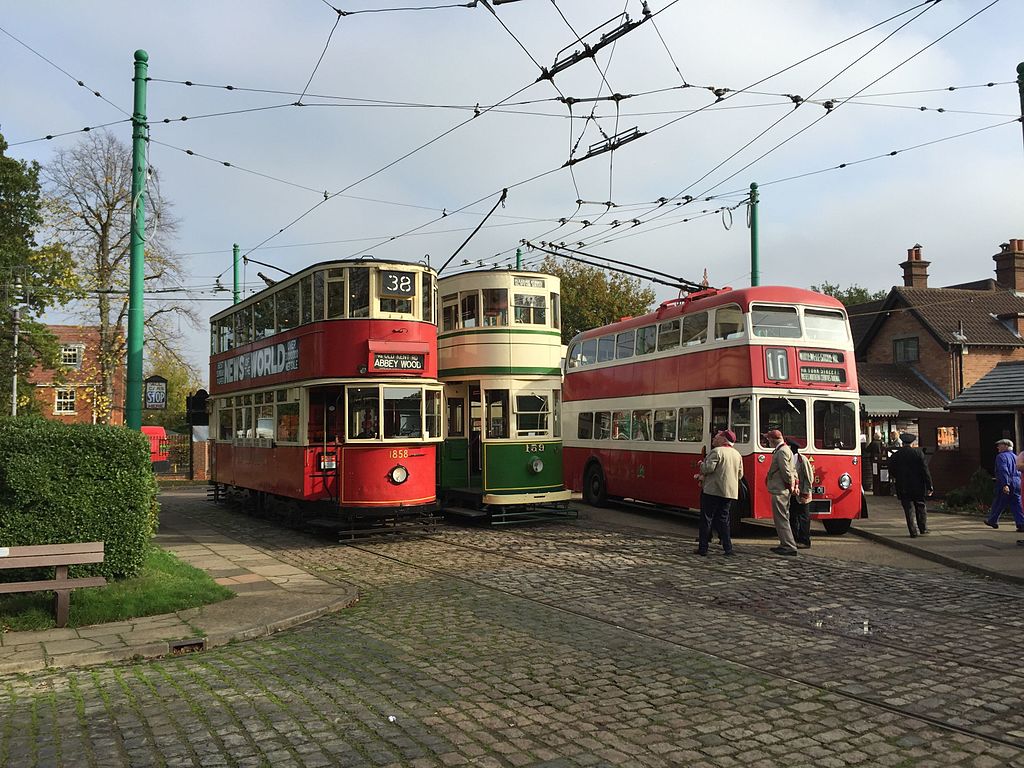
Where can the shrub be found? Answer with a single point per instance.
(77, 482)
(977, 494)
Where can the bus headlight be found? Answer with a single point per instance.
(845, 481)
(537, 466)
(398, 474)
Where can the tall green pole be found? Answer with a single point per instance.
(136, 318)
(519, 259)
(1020, 88)
(237, 272)
(755, 267)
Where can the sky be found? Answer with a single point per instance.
(387, 130)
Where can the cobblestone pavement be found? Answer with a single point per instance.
(563, 645)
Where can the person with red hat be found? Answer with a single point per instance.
(720, 475)
(780, 481)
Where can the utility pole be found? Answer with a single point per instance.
(755, 267)
(16, 318)
(1020, 89)
(136, 317)
(237, 273)
(519, 259)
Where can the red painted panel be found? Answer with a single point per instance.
(365, 481)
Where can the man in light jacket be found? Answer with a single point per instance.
(720, 475)
(780, 481)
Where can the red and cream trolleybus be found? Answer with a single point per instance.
(643, 397)
(324, 395)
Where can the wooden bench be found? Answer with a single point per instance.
(60, 556)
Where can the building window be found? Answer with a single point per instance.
(65, 401)
(905, 350)
(71, 355)
(947, 438)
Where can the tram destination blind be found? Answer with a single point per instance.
(397, 361)
(397, 283)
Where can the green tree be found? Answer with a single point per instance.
(592, 297)
(182, 380)
(855, 294)
(89, 207)
(31, 276)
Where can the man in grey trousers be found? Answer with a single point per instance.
(780, 481)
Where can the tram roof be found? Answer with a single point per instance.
(496, 272)
(358, 261)
(700, 301)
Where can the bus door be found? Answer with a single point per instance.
(453, 458)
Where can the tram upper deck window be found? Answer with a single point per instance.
(319, 290)
(335, 293)
(306, 299)
(288, 308)
(227, 333)
(397, 290)
(728, 323)
(556, 312)
(450, 312)
(263, 318)
(605, 349)
(496, 404)
(774, 322)
(624, 344)
(646, 339)
(495, 306)
(402, 412)
(531, 415)
(359, 292)
(243, 326)
(668, 335)
(786, 414)
(363, 412)
(835, 425)
(469, 309)
(825, 325)
(531, 309)
(427, 298)
(695, 329)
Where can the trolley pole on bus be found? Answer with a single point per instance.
(1020, 88)
(136, 318)
(237, 271)
(755, 268)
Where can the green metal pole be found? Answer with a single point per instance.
(755, 267)
(136, 318)
(238, 273)
(519, 258)
(1020, 88)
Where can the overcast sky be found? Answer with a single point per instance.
(426, 70)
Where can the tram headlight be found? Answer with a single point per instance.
(398, 474)
(845, 481)
(537, 466)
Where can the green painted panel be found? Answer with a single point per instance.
(507, 466)
(453, 461)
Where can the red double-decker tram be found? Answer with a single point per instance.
(642, 399)
(325, 403)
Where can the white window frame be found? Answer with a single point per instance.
(58, 402)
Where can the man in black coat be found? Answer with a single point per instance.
(913, 483)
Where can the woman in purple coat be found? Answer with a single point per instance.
(1007, 490)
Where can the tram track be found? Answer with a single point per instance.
(563, 607)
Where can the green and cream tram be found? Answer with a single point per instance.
(499, 357)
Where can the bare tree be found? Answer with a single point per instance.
(89, 209)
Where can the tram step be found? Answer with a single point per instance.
(465, 512)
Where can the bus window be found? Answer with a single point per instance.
(585, 426)
(695, 329)
(363, 412)
(496, 407)
(589, 352)
(530, 309)
(359, 292)
(620, 425)
(774, 322)
(432, 411)
(495, 306)
(335, 293)
(456, 417)
(263, 318)
(641, 425)
(665, 424)
(470, 312)
(825, 325)
(602, 425)
(624, 344)
(835, 425)
(605, 349)
(728, 323)
(739, 418)
(306, 297)
(450, 312)
(556, 319)
(402, 411)
(575, 354)
(531, 415)
(318, 295)
(646, 339)
(691, 425)
(243, 326)
(786, 414)
(288, 308)
(668, 335)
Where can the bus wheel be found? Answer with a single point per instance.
(836, 527)
(594, 490)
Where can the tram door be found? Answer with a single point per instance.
(454, 461)
(476, 444)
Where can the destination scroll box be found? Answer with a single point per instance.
(397, 357)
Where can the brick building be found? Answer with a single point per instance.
(68, 394)
(925, 346)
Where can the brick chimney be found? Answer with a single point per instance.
(1010, 265)
(915, 270)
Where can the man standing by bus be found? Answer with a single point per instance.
(720, 475)
(780, 481)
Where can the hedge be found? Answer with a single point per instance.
(63, 483)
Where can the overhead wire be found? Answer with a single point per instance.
(323, 53)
